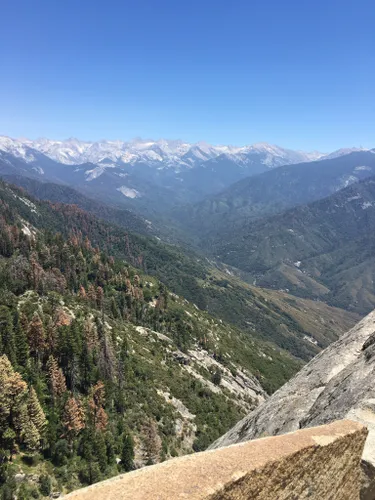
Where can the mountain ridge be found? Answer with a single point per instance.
(321, 250)
(268, 315)
(173, 152)
(153, 176)
(274, 191)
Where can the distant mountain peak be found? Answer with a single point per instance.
(172, 169)
(264, 146)
(173, 153)
(344, 151)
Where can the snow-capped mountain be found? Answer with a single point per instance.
(157, 174)
(163, 153)
(342, 152)
(112, 153)
(272, 156)
(18, 148)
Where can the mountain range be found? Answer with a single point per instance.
(274, 191)
(269, 315)
(97, 318)
(150, 175)
(322, 250)
(174, 154)
(154, 292)
(238, 227)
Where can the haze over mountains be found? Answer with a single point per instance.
(174, 154)
(204, 276)
(150, 175)
(224, 202)
(163, 271)
(324, 249)
(164, 179)
(277, 190)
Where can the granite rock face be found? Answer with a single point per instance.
(338, 383)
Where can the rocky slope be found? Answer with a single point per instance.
(336, 384)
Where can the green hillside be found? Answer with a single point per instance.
(195, 278)
(100, 362)
(104, 368)
(323, 250)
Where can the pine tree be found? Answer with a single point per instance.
(52, 433)
(88, 370)
(36, 271)
(35, 412)
(8, 441)
(99, 297)
(22, 346)
(69, 348)
(51, 337)
(100, 450)
(114, 309)
(99, 393)
(90, 334)
(7, 334)
(106, 357)
(98, 416)
(56, 378)
(13, 391)
(31, 436)
(74, 418)
(36, 336)
(61, 318)
(21, 416)
(152, 441)
(122, 364)
(6, 244)
(101, 420)
(110, 447)
(91, 294)
(82, 292)
(216, 377)
(127, 453)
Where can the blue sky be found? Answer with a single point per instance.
(300, 74)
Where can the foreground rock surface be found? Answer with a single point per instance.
(338, 383)
(316, 463)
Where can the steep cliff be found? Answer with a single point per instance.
(336, 384)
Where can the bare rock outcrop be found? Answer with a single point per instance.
(338, 383)
(315, 464)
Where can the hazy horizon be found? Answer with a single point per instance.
(297, 75)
